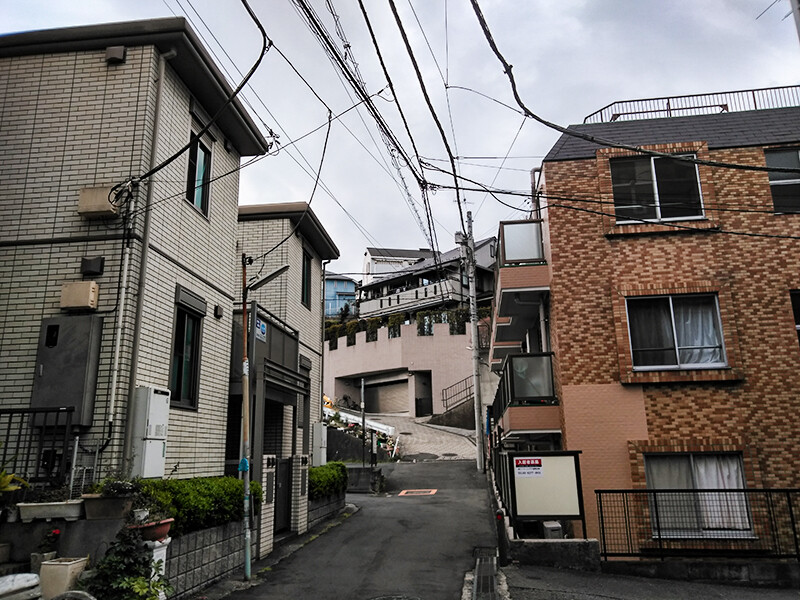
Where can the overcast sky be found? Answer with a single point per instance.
(570, 58)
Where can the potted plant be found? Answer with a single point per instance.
(46, 549)
(110, 499)
(151, 516)
(51, 504)
(127, 571)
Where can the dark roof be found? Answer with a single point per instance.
(331, 275)
(429, 264)
(722, 130)
(301, 215)
(400, 252)
(193, 64)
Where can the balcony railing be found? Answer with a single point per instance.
(719, 522)
(525, 379)
(521, 242)
(408, 298)
(698, 104)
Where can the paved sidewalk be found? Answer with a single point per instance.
(521, 582)
(420, 441)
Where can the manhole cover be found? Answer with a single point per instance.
(396, 598)
(406, 433)
(420, 456)
(449, 454)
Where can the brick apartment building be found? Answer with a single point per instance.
(651, 320)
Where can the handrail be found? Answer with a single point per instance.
(670, 106)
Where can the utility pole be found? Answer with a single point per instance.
(244, 466)
(363, 427)
(468, 255)
(795, 4)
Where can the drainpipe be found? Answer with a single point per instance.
(325, 264)
(536, 178)
(127, 449)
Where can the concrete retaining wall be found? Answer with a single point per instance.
(565, 554)
(319, 510)
(767, 573)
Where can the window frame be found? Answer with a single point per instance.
(777, 179)
(199, 144)
(305, 286)
(701, 498)
(188, 307)
(794, 296)
(678, 366)
(656, 198)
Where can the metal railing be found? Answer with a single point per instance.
(36, 444)
(684, 523)
(525, 379)
(457, 393)
(698, 104)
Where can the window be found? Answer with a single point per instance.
(785, 187)
(305, 292)
(696, 513)
(655, 189)
(679, 332)
(197, 181)
(184, 377)
(796, 310)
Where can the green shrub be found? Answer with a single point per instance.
(201, 502)
(327, 480)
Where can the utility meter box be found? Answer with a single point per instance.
(66, 365)
(320, 440)
(150, 422)
(93, 203)
(79, 295)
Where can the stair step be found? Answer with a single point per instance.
(11, 568)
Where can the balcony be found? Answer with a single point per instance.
(522, 283)
(526, 398)
(411, 299)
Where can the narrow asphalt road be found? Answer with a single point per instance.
(414, 542)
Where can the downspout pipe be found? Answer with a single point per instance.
(127, 449)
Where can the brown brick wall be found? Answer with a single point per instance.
(595, 264)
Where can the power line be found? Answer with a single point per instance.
(599, 140)
(435, 117)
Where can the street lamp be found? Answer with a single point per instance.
(244, 465)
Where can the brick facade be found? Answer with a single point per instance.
(750, 406)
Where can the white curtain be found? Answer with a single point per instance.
(697, 329)
(718, 510)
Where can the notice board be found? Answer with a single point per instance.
(546, 485)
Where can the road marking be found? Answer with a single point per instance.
(417, 493)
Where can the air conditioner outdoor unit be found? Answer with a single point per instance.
(551, 530)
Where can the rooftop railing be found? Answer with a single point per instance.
(698, 104)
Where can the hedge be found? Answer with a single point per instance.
(201, 502)
(327, 480)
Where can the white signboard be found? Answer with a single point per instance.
(547, 485)
(528, 467)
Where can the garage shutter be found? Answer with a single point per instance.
(387, 398)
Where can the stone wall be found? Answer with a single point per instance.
(196, 560)
(324, 508)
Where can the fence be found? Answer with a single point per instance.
(36, 443)
(457, 393)
(720, 522)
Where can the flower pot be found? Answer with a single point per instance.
(37, 558)
(154, 531)
(59, 575)
(106, 507)
(69, 510)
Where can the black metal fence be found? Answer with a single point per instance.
(36, 444)
(729, 522)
